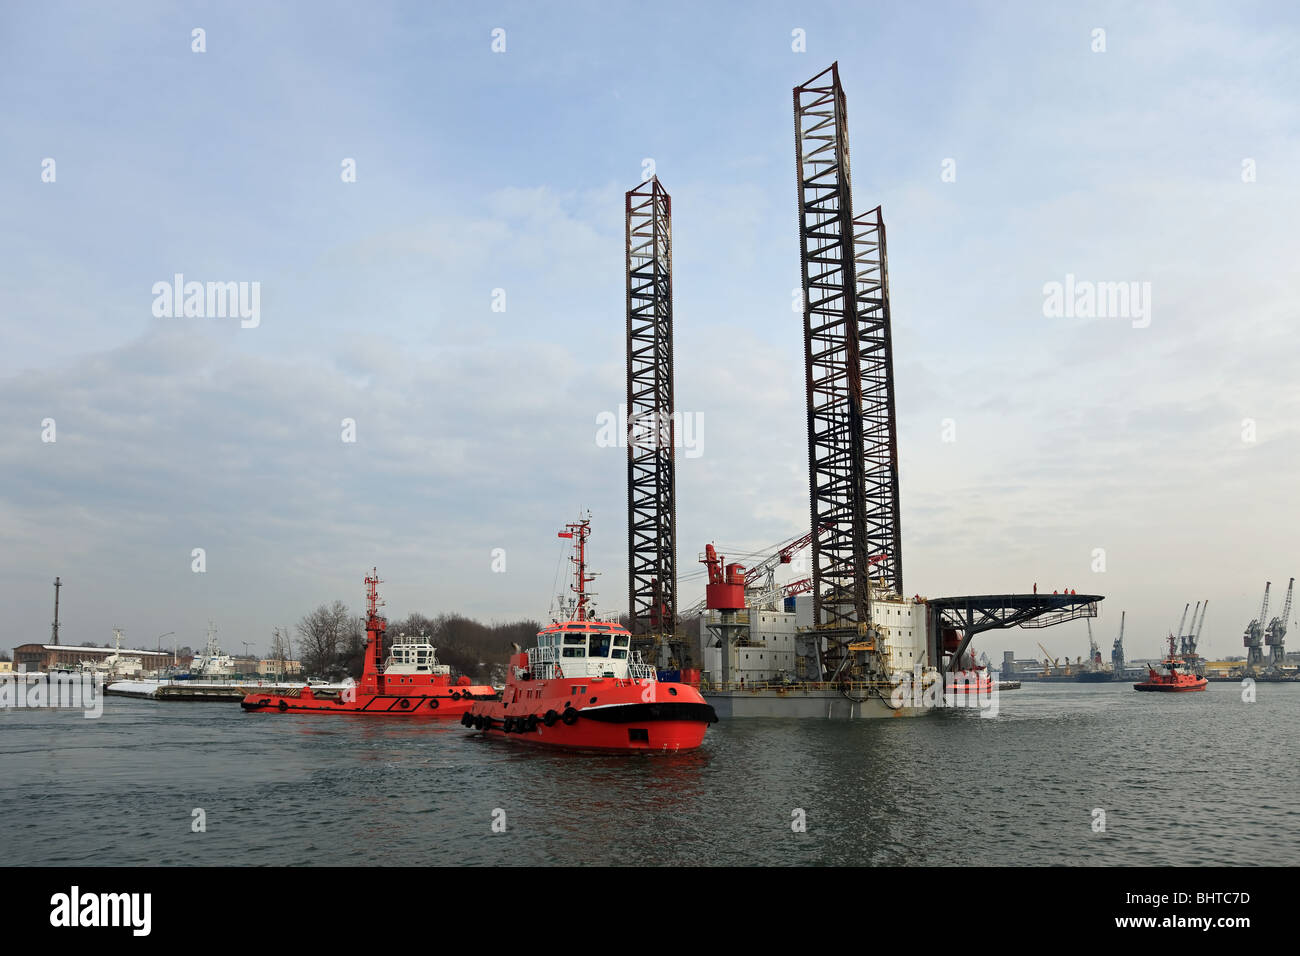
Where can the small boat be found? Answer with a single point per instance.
(584, 688)
(1177, 676)
(408, 683)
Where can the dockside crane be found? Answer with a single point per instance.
(1185, 640)
(1117, 649)
(1182, 621)
(1253, 638)
(1049, 661)
(1194, 639)
(1275, 635)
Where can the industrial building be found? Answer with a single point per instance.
(49, 657)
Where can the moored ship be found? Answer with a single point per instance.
(583, 687)
(408, 683)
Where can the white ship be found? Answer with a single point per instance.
(212, 663)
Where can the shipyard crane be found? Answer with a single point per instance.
(1275, 634)
(1094, 654)
(1051, 661)
(1185, 640)
(1194, 638)
(1117, 649)
(1183, 620)
(1252, 640)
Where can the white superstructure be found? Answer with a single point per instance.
(781, 644)
(212, 662)
(411, 654)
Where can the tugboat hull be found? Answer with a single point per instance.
(385, 705)
(597, 714)
(1172, 688)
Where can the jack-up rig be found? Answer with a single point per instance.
(838, 650)
(651, 482)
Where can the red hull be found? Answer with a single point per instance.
(596, 714)
(410, 683)
(451, 704)
(1199, 684)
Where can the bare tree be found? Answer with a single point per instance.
(320, 636)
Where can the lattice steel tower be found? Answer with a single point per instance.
(880, 426)
(852, 443)
(651, 485)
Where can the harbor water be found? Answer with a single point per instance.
(1065, 774)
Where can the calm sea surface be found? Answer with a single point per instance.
(1183, 779)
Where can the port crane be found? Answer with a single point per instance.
(1117, 649)
(1050, 661)
(1194, 635)
(1181, 622)
(1275, 634)
(1252, 640)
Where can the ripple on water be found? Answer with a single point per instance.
(1190, 780)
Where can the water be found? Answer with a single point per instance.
(1183, 779)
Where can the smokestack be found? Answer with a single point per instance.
(57, 585)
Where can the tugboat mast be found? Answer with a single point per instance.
(580, 530)
(375, 627)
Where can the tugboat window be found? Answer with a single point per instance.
(600, 645)
(575, 652)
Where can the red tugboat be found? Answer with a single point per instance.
(1178, 678)
(584, 688)
(410, 683)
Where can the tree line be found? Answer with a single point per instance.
(332, 642)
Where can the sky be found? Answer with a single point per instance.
(1149, 457)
